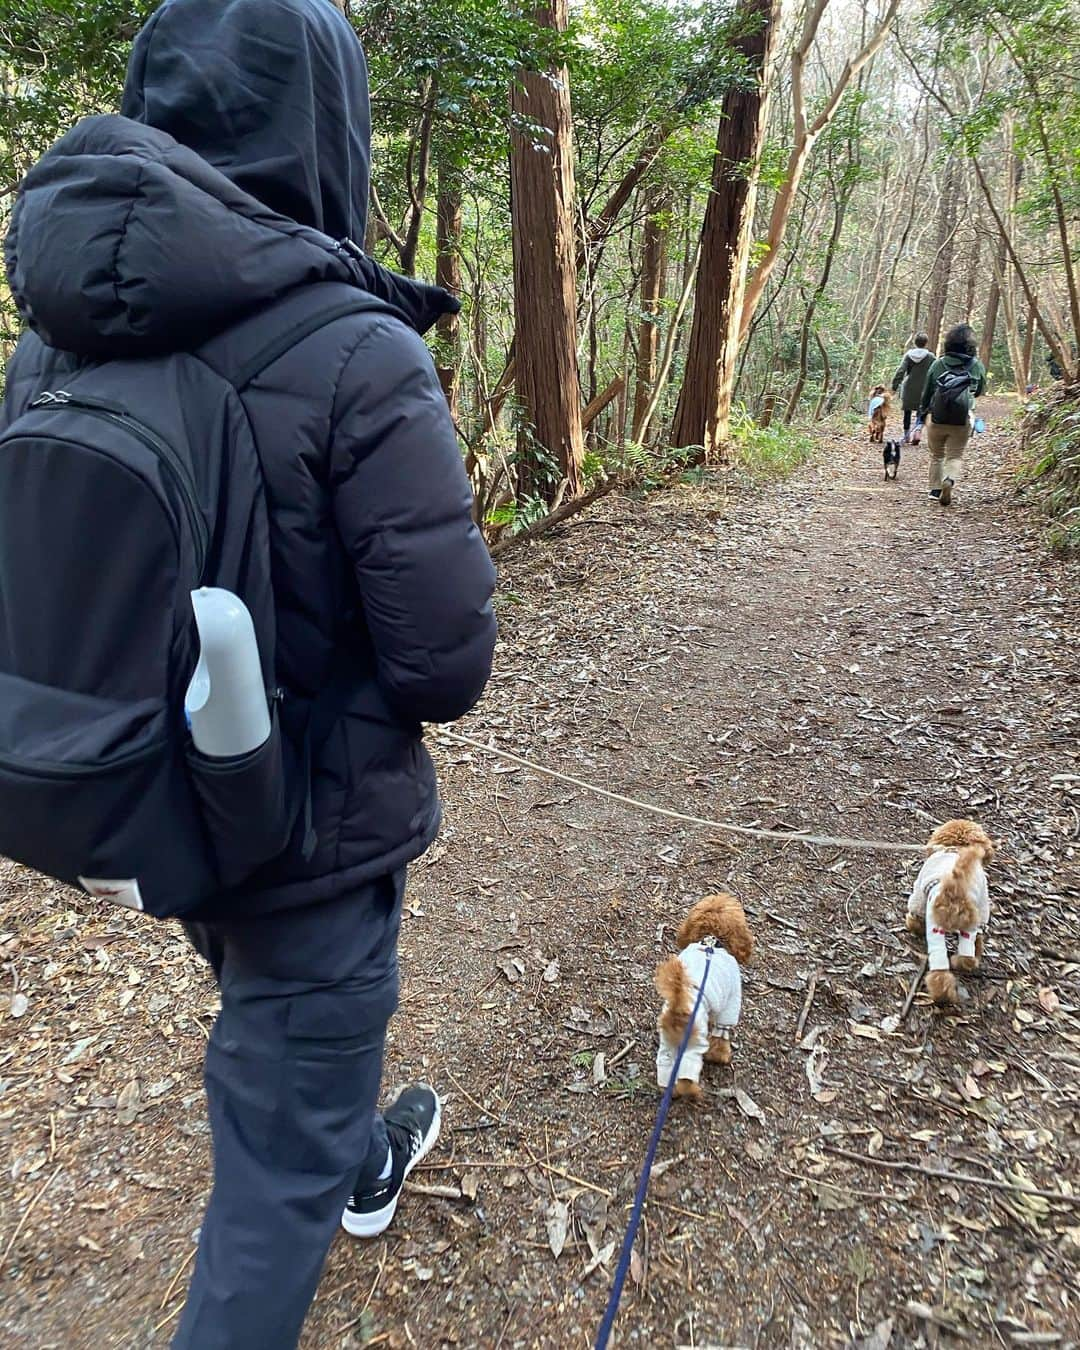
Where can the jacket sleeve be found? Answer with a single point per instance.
(980, 382)
(928, 390)
(901, 371)
(403, 507)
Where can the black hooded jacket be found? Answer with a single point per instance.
(224, 194)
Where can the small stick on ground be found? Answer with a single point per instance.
(800, 1025)
(915, 983)
(435, 1192)
(470, 1098)
(942, 1175)
(26, 1214)
(168, 1317)
(620, 1055)
(176, 1278)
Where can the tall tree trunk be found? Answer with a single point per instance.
(545, 275)
(944, 248)
(653, 271)
(704, 409)
(448, 275)
(993, 303)
(1029, 345)
(806, 135)
(974, 258)
(839, 212)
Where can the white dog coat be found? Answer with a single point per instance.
(921, 903)
(718, 1014)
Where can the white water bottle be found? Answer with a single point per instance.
(226, 700)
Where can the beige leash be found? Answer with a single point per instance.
(783, 836)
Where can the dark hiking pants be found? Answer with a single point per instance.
(292, 1081)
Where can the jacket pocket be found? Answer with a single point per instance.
(245, 806)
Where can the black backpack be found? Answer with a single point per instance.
(952, 398)
(122, 492)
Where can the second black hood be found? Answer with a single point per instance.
(272, 93)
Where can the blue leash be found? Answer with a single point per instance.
(623, 1268)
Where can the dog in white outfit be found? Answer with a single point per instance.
(950, 896)
(717, 922)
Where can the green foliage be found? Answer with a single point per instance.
(1050, 473)
(768, 452)
(59, 60)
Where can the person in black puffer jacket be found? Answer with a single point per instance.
(234, 181)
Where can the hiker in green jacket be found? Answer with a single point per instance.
(910, 380)
(953, 383)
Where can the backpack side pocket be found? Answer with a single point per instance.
(245, 806)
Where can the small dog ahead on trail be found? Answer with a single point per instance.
(717, 921)
(891, 456)
(878, 413)
(950, 896)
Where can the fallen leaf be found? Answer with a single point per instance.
(19, 1004)
(637, 1266)
(969, 1089)
(513, 967)
(867, 1033)
(875, 1143)
(815, 1068)
(599, 1072)
(881, 1337)
(1049, 1001)
(90, 1244)
(470, 1186)
(602, 1257)
(127, 1104)
(748, 1228)
(831, 1197)
(557, 1222)
(551, 971)
(748, 1106)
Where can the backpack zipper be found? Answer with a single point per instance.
(168, 458)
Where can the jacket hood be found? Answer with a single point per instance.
(958, 359)
(916, 354)
(125, 243)
(272, 93)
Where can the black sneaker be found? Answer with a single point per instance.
(935, 493)
(412, 1125)
(946, 492)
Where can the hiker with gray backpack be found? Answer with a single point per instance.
(221, 403)
(953, 383)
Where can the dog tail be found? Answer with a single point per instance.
(954, 908)
(674, 985)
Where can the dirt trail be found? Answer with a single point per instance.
(837, 653)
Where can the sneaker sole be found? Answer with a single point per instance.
(376, 1223)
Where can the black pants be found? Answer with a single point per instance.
(909, 413)
(292, 1082)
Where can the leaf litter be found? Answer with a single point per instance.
(697, 648)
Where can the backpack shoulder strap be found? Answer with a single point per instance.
(318, 315)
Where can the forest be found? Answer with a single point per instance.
(690, 238)
(678, 227)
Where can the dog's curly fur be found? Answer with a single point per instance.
(720, 917)
(954, 907)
